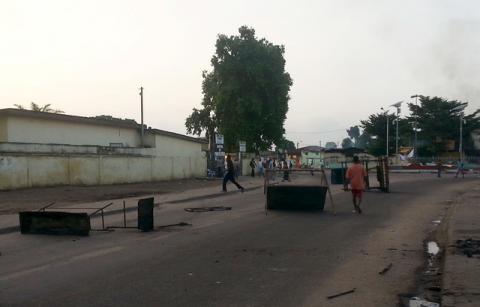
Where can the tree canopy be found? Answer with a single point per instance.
(374, 136)
(354, 134)
(285, 144)
(37, 108)
(330, 145)
(438, 125)
(438, 122)
(245, 96)
(347, 143)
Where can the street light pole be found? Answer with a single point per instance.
(141, 107)
(415, 129)
(460, 145)
(387, 132)
(386, 114)
(396, 143)
(396, 105)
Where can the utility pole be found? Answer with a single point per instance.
(397, 120)
(386, 114)
(460, 145)
(141, 107)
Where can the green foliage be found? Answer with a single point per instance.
(37, 108)
(330, 145)
(115, 119)
(286, 145)
(354, 134)
(347, 143)
(438, 121)
(364, 140)
(245, 96)
(200, 120)
(374, 137)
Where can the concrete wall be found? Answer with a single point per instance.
(24, 171)
(72, 149)
(3, 129)
(308, 157)
(39, 152)
(170, 146)
(59, 132)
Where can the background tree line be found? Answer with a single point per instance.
(436, 119)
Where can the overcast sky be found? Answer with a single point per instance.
(347, 58)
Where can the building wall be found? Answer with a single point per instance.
(170, 146)
(30, 170)
(308, 157)
(38, 152)
(333, 159)
(3, 129)
(60, 132)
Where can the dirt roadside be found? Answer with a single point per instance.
(461, 285)
(30, 199)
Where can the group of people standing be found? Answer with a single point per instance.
(460, 169)
(261, 165)
(271, 164)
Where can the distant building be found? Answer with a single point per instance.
(316, 156)
(41, 149)
(311, 156)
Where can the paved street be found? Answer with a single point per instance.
(240, 257)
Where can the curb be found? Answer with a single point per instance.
(11, 229)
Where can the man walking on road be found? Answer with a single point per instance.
(230, 175)
(439, 168)
(356, 175)
(460, 169)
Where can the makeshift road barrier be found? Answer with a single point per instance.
(296, 189)
(78, 223)
(379, 166)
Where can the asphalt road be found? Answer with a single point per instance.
(240, 257)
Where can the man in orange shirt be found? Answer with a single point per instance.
(356, 175)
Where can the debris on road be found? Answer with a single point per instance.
(432, 248)
(341, 294)
(177, 224)
(386, 269)
(206, 209)
(469, 247)
(418, 302)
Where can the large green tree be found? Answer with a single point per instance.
(354, 134)
(286, 144)
(245, 96)
(374, 136)
(438, 122)
(347, 143)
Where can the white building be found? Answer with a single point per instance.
(44, 149)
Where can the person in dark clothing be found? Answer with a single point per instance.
(230, 175)
(286, 173)
(253, 165)
(439, 168)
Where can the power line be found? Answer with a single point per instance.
(315, 132)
